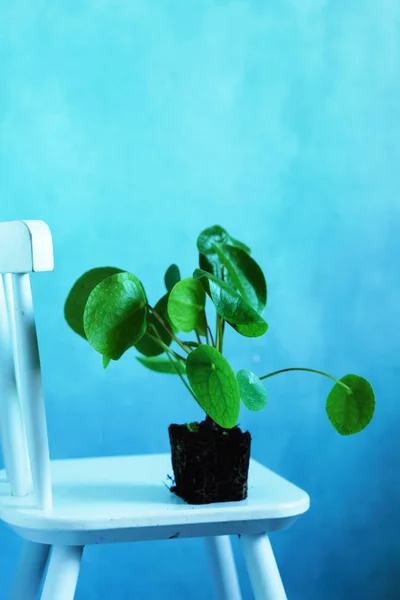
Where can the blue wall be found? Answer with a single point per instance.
(129, 127)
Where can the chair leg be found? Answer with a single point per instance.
(262, 568)
(29, 574)
(223, 567)
(62, 574)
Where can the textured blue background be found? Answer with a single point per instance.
(131, 125)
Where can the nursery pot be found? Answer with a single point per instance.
(210, 464)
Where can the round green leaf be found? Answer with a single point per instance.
(242, 273)
(162, 364)
(80, 292)
(147, 345)
(232, 307)
(207, 243)
(172, 276)
(217, 235)
(207, 265)
(214, 384)
(186, 305)
(240, 245)
(210, 236)
(350, 412)
(252, 390)
(115, 315)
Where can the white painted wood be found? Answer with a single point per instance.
(15, 248)
(121, 499)
(26, 357)
(42, 246)
(262, 568)
(62, 574)
(29, 574)
(25, 246)
(13, 438)
(226, 582)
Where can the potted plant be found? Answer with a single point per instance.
(109, 308)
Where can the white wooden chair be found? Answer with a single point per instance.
(59, 507)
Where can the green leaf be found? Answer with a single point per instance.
(162, 364)
(80, 292)
(106, 361)
(350, 412)
(115, 315)
(186, 305)
(232, 307)
(243, 274)
(214, 384)
(240, 245)
(211, 236)
(147, 345)
(172, 276)
(206, 244)
(252, 391)
(206, 265)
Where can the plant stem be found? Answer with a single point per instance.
(198, 338)
(219, 328)
(171, 333)
(308, 371)
(165, 347)
(190, 344)
(169, 352)
(206, 328)
(187, 386)
(211, 336)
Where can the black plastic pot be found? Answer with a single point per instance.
(210, 464)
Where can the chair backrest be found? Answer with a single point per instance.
(25, 247)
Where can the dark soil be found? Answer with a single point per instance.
(210, 464)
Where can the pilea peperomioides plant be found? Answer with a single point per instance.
(109, 308)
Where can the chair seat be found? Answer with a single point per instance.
(119, 499)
